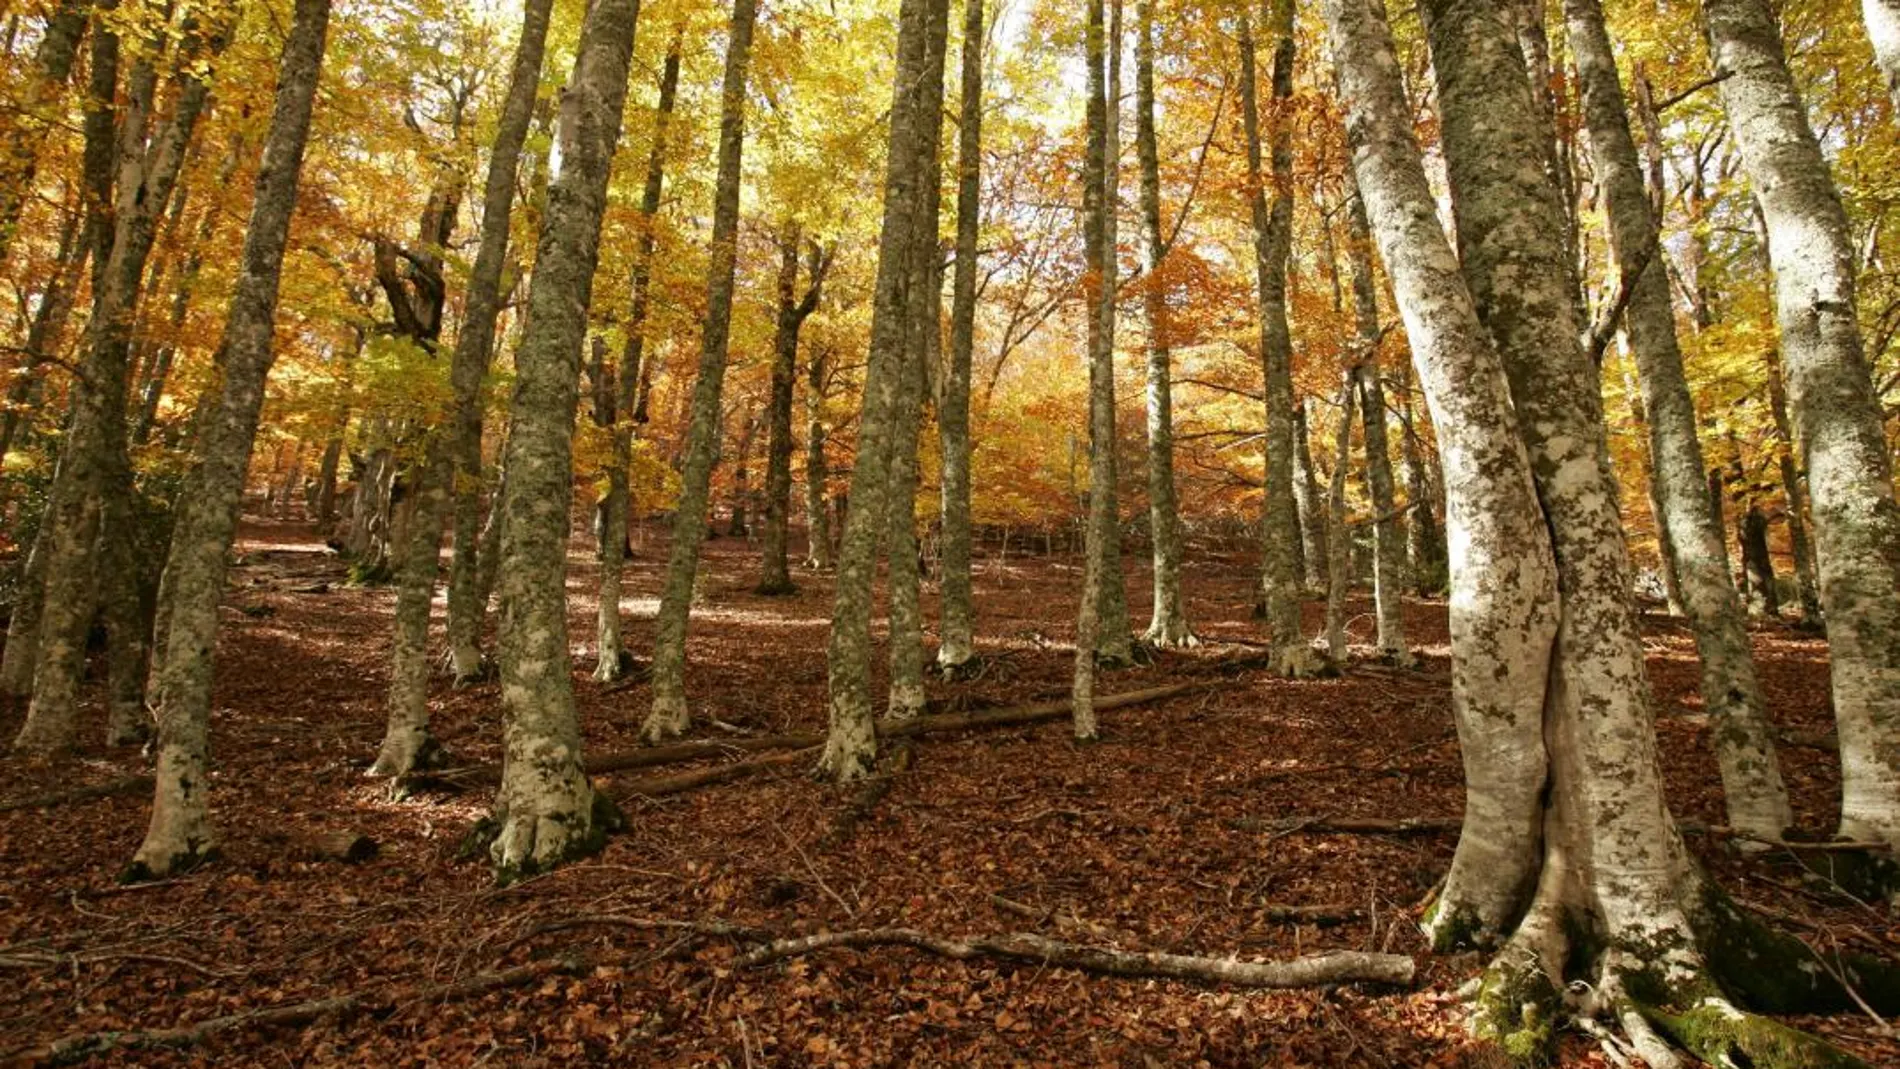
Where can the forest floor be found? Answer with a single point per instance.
(1182, 831)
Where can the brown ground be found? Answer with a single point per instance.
(1140, 840)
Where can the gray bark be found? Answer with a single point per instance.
(792, 311)
(1793, 489)
(1099, 292)
(180, 834)
(1113, 642)
(956, 645)
(94, 453)
(1339, 539)
(817, 503)
(851, 741)
(1744, 740)
(1831, 399)
(546, 811)
(1309, 499)
(923, 350)
(1389, 578)
(23, 130)
(669, 716)
(1883, 32)
(1273, 239)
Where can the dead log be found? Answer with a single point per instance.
(1324, 825)
(128, 785)
(680, 752)
(1337, 967)
(77, 1048)
(679, 783)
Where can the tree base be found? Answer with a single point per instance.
(776, 588)
(518, 852)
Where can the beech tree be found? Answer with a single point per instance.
(1836, 419)
(670, 716)
(956, 644)
(181, 835)
(792, 311)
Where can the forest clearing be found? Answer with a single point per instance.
(1197, 826)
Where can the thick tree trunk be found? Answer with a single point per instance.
(956, 644)
(1273, 239)
(851, 742)
(1502, 581)
(669, 717)
(923, 350)
(1592, 863)
(546, 811)
(1744, 742)
(95, 446)
(1168, 625)
(181, 834)
(776, 569)
(1389, 579)
(1830, 395)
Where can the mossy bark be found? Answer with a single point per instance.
(956, 644)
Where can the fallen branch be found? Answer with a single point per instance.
(679, 783)
(1338, 967)
(78, 1048)
(128, 785)
(678, 753)
(1323, 825)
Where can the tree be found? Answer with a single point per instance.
(956, 646)
(94, 471)
(1168, 624)
(1883, 31)
(851, 739)
(669, 716)
(635, 376)
(1273, 240)
(792, 311)
(1751, 780)
(1836, 419)
(1389, 579)
(181, 835)
(547, 811)
(23, 132)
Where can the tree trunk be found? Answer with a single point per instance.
(1425, 550)
(793, 310)
(1339, 538)
(851, 742)
(956, 644)
(669, 717)
(923, 349)
(1758, 565)
(36, 111)
(1273, 239)
(547, 812)
(1389, 579)
(1113, 641)
(95, 446)
(46, 335)
(1792, 490)
(1744, 742)
(1313, 558)
(180, 834)
(1830, 395)
(1099, 295)
(817, 504)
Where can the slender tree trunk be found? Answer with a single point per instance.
(669, 717)
(1758, 564)
(1099, 290)
(1168, 624)
(46, 334)
(1831, 399)
(1792, 489)
(1339, 538)
(817, 505)
(1113, 641)
(95, 446)
(546, 811)
(775, 571)
(851, 742)
(1273, 238)
(956, 644)
(1311, 562)
(181, 834)
(1425, 550)
(1744, 740)
(24, 129)
(1665, 545)
(923, 351)
(1389, 579)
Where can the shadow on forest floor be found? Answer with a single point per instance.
(1142, 841)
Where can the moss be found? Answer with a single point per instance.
(1453, 929)
(603, 819)
(1774, 972)
(1720, 1035)
(1517, 1010)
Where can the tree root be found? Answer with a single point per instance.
(1338, 967)
(867, 799)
